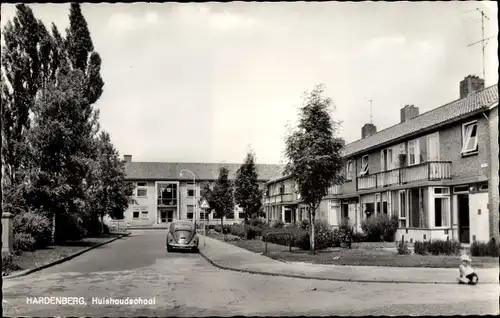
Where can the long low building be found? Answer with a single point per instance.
(164, 191)
(436, 171)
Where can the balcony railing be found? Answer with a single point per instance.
(279, 198)
(334, 190)
(433, 170)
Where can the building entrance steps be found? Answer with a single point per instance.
(230, 257)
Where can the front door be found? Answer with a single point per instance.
(463, 218)
(170, 216)
(163, 216)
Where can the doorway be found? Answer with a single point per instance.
(166, 216)
(463, 218)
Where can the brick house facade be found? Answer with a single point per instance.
(438, 171)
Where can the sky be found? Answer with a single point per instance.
(206, 82)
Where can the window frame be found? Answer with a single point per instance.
(141, 187)
(444, 196)
(414, 145)
(364, 171)
(348, 170)
(193, 193)
(405, 205)
(466, 139)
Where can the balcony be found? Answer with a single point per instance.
(281, 198)
(430, 171)
(335, 190)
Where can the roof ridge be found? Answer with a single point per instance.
(474, 94)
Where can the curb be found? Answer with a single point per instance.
(61, 260)
(326, 278)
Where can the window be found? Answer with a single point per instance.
(241, 215)
(203, 216)
(441, 190)
(167, 194)
(402, 208)
(348, 170)
(364, 166)
(413, 152)
(142, 189)
(135, 214)
(441, 211)
(282, 189)
(190, 192)
(190, 212)
(144, 214)
(140, 212)
(461, 189)
(230, 215)
(469, 138)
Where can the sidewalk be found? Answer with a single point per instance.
(230, 257)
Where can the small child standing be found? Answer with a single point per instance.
(467, 274)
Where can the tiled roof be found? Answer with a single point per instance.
(474, 102)
(203, 171)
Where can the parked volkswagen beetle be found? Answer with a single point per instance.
(181, 235)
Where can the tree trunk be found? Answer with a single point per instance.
(222, 227)
(53, 230)
(102, 223)
(312, 234)
(245, 225)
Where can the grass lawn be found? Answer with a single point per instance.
(49, 254)
(359, 256)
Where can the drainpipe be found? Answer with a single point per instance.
(490, 186)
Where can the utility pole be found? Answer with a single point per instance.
(483, 41)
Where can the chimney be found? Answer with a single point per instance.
(368, 130)
(127, 158)
(408, 113)
(470, 84)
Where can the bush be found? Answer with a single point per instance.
(437, 247)
(346, 233)
(237, 230)
(227, 228)
(37, 225)
(324, 236)
(485, 249)
(8, 264)
(299, 236)
(257, 222)
(403, 248)
(24, 242)
(277, 224)
(380, 228)
(254, 231)
(304, 224)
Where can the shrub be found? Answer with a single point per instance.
(253, 231)
(324, 236)
(231, 238)
(257, 222)
(24, 242)
(237, 230)
(485, 249)
(403, 248)
(299, 236)
(37, 225)
(8, 264)
(346, 233)
(304, 224)
(380, 228)
(278, 224)
(227, 228)
(437, 247)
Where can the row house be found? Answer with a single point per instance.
(436, 171)
(166, 191)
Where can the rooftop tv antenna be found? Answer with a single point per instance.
(483, 41)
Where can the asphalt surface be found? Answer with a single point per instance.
(184, 284)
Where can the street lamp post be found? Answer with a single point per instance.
(194, 195)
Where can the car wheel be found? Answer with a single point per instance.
(195, 249)
(169, 249)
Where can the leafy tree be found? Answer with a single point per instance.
(20, 82)
(108, 193)
(221, 196)
(247, 192)
(314, 155)
(81, 53)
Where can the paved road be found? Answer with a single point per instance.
(185, 284)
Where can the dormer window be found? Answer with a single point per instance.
(364, 166)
